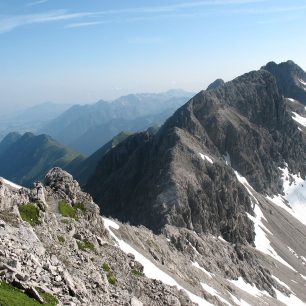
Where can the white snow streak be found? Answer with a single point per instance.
(206, 157)
(303, 82)
(150, 269)
(215, 293)
(252, 290)
(281, 283)
(248, 288)
(10, 183)
(195, 264)
(299, 119)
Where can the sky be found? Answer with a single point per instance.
(76, 51)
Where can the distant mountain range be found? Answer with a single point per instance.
(25, 158)
(30, 119)
(86, 128)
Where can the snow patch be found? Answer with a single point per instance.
(289, 300)
(304, 277)
(290, 99)
(215, 293)
(282, 283)
(302, 82)
(150, 269)
(248, 288)
(238, 302)
(295, 195)
(299, 119)
(222, 239)
(227, 159)
(110, 223)
(205, 157)
(195, 264)
(10, 183)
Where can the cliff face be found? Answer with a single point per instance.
(185, 176)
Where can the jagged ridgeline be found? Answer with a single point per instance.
(184, 175)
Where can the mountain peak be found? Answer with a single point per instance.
(290, 78)
(217, 83)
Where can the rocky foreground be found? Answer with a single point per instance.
(68, 250)
(69, 254)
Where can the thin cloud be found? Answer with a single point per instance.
(8, 24)
(37, 2)
(86, 24)
(178, 10)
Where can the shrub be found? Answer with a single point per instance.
(137, 273)
(106, 267)
(80, 206)
(29, 213)
(61, 239)
(85, 245)
(11, 296)
(111, 278)
(70, 211)
(66, 210)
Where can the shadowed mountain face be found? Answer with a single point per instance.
(26, 158)
(86, 128)
(184, 175)
(85, 169)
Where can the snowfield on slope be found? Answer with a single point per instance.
(150, 269)
(294, 198)
(262, 242)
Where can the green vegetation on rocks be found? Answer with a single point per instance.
(105, 267)
(11, 296)
(29, 213)
(111, 278)
(137, 273)
(85, 245)
(70, 211)
(61, 239)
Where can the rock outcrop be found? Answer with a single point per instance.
(68, 252)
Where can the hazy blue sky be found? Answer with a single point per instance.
(82, 51)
